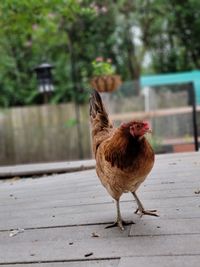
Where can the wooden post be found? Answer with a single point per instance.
(192, 102)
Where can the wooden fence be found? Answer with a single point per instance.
(49, 133)
(42, 134)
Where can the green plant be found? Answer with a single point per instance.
(102, 66)
(156, 143)
(70, 123)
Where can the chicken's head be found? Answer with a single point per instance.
(137, 128)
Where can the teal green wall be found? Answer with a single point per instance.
(174, 78)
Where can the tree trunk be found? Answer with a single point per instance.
(133, 64)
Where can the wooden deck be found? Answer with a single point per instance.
(62, 218)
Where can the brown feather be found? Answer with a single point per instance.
(122, 160)
(124, 151)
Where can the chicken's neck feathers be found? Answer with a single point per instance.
(123, 150)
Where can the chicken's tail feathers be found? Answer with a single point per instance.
(96, 104)
(97, 109)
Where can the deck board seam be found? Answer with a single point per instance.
(62, 261)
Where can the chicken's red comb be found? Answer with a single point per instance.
(146, 123)
(128, 124)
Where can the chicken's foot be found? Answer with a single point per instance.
(141, 208)
(119, 222)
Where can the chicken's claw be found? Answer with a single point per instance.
(146, 212)
(120, 224)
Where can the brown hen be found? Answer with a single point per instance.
(123, 155)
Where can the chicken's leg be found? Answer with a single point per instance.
(141, 208)
(119, 222)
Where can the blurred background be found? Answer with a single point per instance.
(46, 53)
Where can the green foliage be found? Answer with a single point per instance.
(174, 44)
(70, 34)
(35, 31)
(101, 66)
(70, 123)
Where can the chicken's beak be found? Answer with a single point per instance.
(147, 128)
(149, 131)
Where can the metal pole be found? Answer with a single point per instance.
(192, 102)
(194, 117)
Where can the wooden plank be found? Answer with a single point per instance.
(59, 248)
(85, 128)
(165, 189)
(44, 168)
(68, 234)
(76, 233)
(59, 198)
(97, 213)
(152, 114)
(29, 169)
(87, 187)
(67, 208)
(14, 196)
(97, 193)
(52, 189)
(158, 261)
(25, 189)
(9, 134)
(155, 174)
(165, 227)
(83, 263)
(171, 160)
(89, 178)
(183, 156)
(3, 135)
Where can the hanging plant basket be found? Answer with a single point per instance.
(106, 83)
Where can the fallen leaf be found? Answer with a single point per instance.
(16, 232)
(15, 178)
(95, 234)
